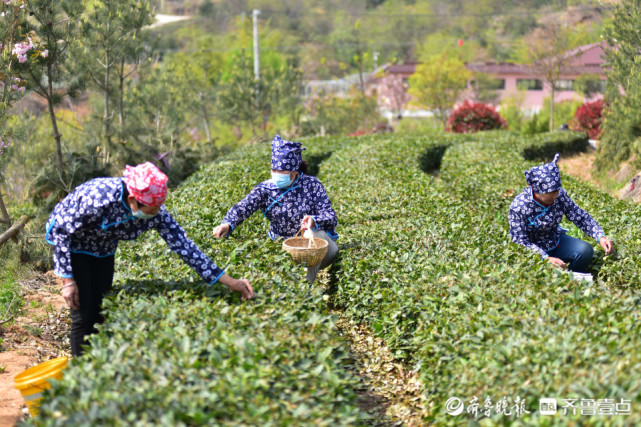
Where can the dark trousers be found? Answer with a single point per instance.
(577, 253)
(94, 277)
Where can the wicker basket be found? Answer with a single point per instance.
(303, 250)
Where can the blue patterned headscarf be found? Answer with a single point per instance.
(286, 155)
(545, 178)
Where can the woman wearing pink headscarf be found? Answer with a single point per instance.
(87, 225)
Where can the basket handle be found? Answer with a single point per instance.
(312, 240)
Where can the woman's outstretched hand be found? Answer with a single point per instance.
(221, 231)
(606, 244)
(557, 262)
(238, 285)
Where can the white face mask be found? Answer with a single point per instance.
(141, 215)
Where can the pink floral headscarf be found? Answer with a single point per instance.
(146, 183)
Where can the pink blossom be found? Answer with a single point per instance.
(4, 144)
(22, 58)
(45, 53)
(7, 1)
(2, 85)
(22, 48)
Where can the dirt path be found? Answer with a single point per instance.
(390, 393)
(40, 333)
(579, 166)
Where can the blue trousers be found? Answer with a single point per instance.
(575, 252)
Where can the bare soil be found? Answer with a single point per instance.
(40, 333)
(579, 166)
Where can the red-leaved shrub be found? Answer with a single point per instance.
(588, 118)
(473, 117)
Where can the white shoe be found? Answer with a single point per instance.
(586, 277)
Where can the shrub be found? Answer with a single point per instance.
(473, 117)
(588, 118)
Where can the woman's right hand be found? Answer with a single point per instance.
(221, 231)
(556, 262)
(70, 293)
(238, 285)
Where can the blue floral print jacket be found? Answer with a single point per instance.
(95, 217)
(538, 227)
(285, 208)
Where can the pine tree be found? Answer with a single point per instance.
(621, 122)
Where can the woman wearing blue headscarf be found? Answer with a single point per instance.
(291, 200)
(535, 217)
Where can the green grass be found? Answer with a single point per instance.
(10, 273)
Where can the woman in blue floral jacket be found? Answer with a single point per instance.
(87, 225)
(291, 200)
(535, 216)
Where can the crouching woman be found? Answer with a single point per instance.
(535, 216)
(291, 200)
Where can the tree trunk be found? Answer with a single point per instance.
(552, 108)
(106, 92)
(6, 219)
(121, 112)
(13, 231)
(54, 122)
(203, 109)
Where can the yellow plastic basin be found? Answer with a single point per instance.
(35, 380)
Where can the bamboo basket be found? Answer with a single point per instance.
(303, 250)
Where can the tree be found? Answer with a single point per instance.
(621, 127)
(247, 100)
(199, 75)
(438, 83)
(549, 52)
(47, 63)
(392, 93)
(112, 44)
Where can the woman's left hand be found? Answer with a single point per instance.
(606, 244)
(307, 223)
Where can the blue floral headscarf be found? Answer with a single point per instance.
(544, 178)
(286, 155)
